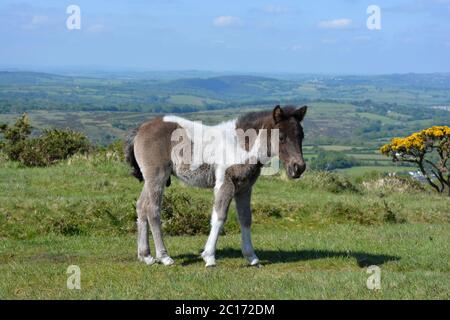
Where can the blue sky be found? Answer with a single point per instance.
(322, 36)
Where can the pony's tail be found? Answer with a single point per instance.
(129, 154)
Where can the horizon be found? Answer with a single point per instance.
(80, 71)
(264, 37)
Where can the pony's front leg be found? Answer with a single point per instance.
(223, 196)
(243, 207)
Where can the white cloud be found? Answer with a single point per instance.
(335, 24)
(329, 41)
(39, 19)
(35, 22)
(227, 21)
(362, 38)
(275, 9)
(297, 47)
(96, 28)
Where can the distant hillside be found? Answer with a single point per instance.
(31, 78)
(230, 87)
(25, 91)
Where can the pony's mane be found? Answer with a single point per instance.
(257, 118)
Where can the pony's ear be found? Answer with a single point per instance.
(278, 114)
(300, 113)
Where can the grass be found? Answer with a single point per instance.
(315, 236)
(303, 263)
(362, 170)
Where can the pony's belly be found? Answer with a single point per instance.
(202, 177)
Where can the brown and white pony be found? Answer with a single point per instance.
(154, 152)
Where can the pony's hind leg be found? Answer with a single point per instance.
(142, 228)
(154, 188)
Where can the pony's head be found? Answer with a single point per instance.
(288, 121)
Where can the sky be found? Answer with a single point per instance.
(321, 36)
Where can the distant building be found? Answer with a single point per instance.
(446, 108)
(417, 175)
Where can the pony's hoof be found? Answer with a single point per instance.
(253, 260)
(209, 260)
(167, 261)
(255, 263)
(148, 260)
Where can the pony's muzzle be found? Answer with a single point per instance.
(295, 170)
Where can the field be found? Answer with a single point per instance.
(299, 263)
(315, 236)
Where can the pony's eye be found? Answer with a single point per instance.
(282, 137)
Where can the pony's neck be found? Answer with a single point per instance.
(258, 121)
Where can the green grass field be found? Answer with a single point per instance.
(299, 263)
(315, 236)
(363, 170)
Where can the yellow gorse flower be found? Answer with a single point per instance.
(437, 132)
(416, 141)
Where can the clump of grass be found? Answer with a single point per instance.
(328, 181)
(267, 210)
(98, 158)
(387, 185)
(370, 213)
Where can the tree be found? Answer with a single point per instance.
(430, 150)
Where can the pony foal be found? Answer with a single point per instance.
(219, 157)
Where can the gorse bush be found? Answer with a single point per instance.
(429, 149)
(51, 146)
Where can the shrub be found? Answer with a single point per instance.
(52, 146)
(182, 215)
(14, 137)
(429, 149)
(3, 158)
